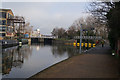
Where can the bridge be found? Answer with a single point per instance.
(43, 39)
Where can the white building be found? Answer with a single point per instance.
(36, 33)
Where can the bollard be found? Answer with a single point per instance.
(93, 45)
(82, 44)
(78, 44)
(74, 44)
(89, 44)
(85, 44)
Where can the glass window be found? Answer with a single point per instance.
(2, 28)
(9, 23)
(2, 22)
(2, 14)
(2, 34)
(10, 16)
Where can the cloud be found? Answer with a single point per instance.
(46, 16)
(58, 0)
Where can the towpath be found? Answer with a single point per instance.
(96, 63)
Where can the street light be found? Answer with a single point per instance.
(80, 35)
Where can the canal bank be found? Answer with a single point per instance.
(11, 43)
(97, 63)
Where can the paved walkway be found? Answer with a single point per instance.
(97, 63)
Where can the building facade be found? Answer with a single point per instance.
(36, 33)
(6, 27)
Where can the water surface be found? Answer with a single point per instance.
(25, 61)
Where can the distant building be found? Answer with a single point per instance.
(36, 33)
(48, 36)
(6, 28)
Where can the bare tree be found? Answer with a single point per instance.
(55, 32)
(28, 28)
(71, 32)
(99, 10)
(60, 32)
(91, 26)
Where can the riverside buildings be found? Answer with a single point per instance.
(6, 27)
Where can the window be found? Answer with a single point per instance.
(2, 22)
(10, 16)
(9, 23)
(2, 34)
(2, 28)
(2, 14)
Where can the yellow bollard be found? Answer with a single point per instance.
(74, 44)
(93, 45)
(85, 44)
(82, 44)
(89, 44)
(78, 44)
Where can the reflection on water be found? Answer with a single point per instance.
(61, 50)
(25, 61)
(14, 57)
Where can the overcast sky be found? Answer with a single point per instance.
(47, 15)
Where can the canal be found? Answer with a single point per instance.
(25, 61)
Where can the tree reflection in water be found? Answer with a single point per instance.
(60, 50)
(14, 57)
(27, 60)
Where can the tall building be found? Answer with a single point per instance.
(6, 27)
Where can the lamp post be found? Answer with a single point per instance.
(80, 37)
(80, 25)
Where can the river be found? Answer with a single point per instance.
(25, 61)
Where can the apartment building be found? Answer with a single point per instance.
(6, 27)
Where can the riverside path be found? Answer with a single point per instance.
(96, 63)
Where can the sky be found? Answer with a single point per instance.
(48, 15)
